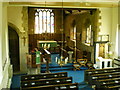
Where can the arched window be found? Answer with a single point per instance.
(44, 21)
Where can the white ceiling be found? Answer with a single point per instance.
(60, 0)
(64, 3)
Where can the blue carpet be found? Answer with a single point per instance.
(15, 82)
(56, 67)
(53, 58)
(53, 66)
(77, 76)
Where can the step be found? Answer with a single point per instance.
(56, 65)
(62, 69)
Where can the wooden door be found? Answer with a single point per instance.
(14, 49)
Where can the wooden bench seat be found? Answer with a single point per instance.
(117, 87)
(99, 71)
(106, 83)
(104, 74)
(43, 82)
(99, 79)
(109, 79)
(110, 87)
(103, 78)
(68, 86)
(43, 76)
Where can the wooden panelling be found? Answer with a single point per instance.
(33, 38)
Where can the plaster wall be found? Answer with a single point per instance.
(18, 19)
(1, 74)
(109, 25)
(119, 30)
(106, 21)
(4, 50)
(115, 44)
(105, 28)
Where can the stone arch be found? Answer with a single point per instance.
(15, 28)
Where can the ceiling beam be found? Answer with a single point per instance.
(65, 4)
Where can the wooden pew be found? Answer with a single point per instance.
(43, 76)
(68, 86)
(99, 71)
(108, 83)
(117, 87)
(43, 82)
(103, 78)
(94, 79)
(90, 73)
(116, 62)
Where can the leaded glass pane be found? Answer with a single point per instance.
(44, 21)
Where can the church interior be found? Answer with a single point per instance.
(60, 45)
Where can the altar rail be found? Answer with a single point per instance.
(103, 78)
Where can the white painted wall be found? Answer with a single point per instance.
(4, 57)
(119, 30)
(106, 25)
(119, 42)
(16, 18)
(106, 18)
(109, 20)
(114, 36)
(1, 74)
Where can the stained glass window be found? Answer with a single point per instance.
(44, 21)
